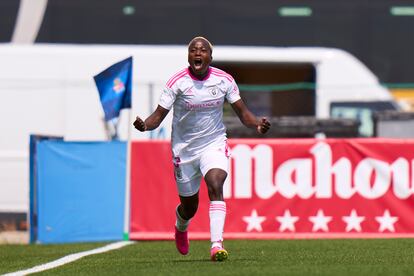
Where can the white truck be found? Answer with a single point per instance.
(48, 89)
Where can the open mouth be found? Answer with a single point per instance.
(198, 63)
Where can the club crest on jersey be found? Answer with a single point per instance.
(213, 91)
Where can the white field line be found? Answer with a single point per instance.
(70, 258)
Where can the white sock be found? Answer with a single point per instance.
(217, 212)
(181, 223)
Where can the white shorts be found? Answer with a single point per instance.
(188, 174)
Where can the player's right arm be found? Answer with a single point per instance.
(153, 121)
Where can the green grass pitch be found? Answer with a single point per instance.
(248, 257)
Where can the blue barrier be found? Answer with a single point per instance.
(80, 191)
(34, 140)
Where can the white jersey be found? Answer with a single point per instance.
(198, 110)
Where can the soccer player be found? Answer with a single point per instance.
(198, 138)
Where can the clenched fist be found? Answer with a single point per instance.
(263, 126)
(140, 124)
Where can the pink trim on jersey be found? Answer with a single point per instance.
(221, 73)
(176, 77)
(194, 78)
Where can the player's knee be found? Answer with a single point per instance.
(215, 190)
(215, 180)
(189, 210)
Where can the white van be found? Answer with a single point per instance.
(48, 89)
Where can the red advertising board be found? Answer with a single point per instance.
(286, 188)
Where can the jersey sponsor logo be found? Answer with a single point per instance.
(199, 106)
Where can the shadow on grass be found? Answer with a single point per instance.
(204, 260)
(192, 261)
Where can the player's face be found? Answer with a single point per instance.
(199, 57)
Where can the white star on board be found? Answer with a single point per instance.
(287, 221)
(353, 221)
(254, 221)
(320, 221)
(386, 221)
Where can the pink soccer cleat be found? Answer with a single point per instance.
(181, 241)
(218, 254)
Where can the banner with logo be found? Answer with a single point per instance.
(286, 188)
(115, 88)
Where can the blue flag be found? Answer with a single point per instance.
(115, 88)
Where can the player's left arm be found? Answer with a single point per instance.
(249, 119)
